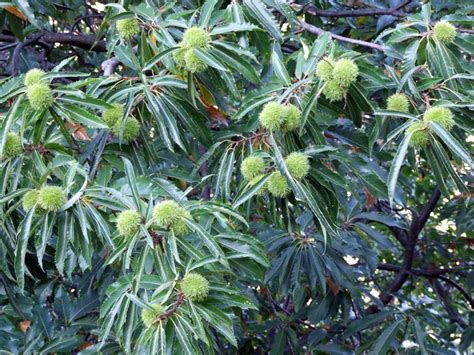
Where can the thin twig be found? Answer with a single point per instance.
(460, 289)
(444, 297)
(319, 31)
(83, 41)
(172, 310)
(393, 11)
(422, 272)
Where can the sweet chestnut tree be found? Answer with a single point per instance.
(245, 176)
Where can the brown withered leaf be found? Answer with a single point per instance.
(215, 114)
(24, 325)
(85, 345)
(370, 198)
(79, 131)
(332, 286)
(13, 10)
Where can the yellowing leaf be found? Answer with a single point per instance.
(206, 96)
(152, 38)
(13, 10)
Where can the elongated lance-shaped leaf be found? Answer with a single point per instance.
(248, 193)
(258, 10)
(234, 27)
(140, 303)
(237, 63)
(397, 131)
(154, 108)
(140, 268)
(62, 241)
(278, 65)
(396, 166)
(394, 114)
(382, 343)
(132, 183)
(206, 12)
(109, 322)
(208, 240)
(443, 160)
(170, 122)
(209, 59)
(301, 192)
(420, 336)
(312, 102)
(10, 196)
(58, 345)
(317, 51)
(153, 61)
(452, 143)
(80, 115)
(183, 337)
(439, 173)
(21, 247)
(46, 231)
(228, 175)
(219, 181)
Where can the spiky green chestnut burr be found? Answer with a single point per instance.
(277, 185)
(40, 96)
(51, 198)
(193, 63)
(195, 37)
(444, 32)
(298, 165)
(127, 28)
(13, 146)
(130, 131)
(272, 116)
(34, 76)
(113, 114)
(421, 136)
(324, 69)
(195, 287)
(179, 57)
(167, 212)
(398, 102)
(333, 91)
(441, 115)
(128, 223)
(292, 117)
(180, 227)
(345, 72)
(149, 316)
(251, 167)
(29, 199)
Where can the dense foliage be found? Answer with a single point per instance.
(255, 176)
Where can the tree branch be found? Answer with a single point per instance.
(393, 11)
(319, 32)
(460, 289)
(443, 296)
(83, 41)
(109, 65)
(88, 42)
(418, 222)
(172, 310)
(420, 272)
